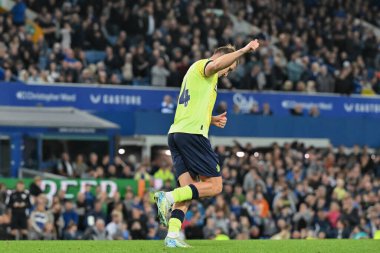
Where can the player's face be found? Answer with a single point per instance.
(20, 187)
(225, 72)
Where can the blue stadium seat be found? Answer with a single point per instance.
(93, 56)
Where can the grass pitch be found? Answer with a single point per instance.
(199, 246)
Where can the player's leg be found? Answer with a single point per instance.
(208, 187)
(23, 222)
(24, 234)
(178, 215)
(182, 175)
(179, 209)
(15, 228)
(14, 234)
(201, 159)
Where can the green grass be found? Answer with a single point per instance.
(261, 246)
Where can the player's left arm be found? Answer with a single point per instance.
(219, 120)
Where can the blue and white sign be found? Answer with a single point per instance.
(119, 98)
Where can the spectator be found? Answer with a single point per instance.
(18, 13)
(251, 180)
(284, 232)
(89, 197)
(255, 110)
(140, 66)
(266, 110)
(127, 69)
(92, 162)
(288, 85)
(66, 36)
(164, 173)
(115, 228)
(70, 63)
(56, 211)
(236, 109)
(301, 87)
(112, 172)
(71, 232)
(53, 74)
(97, 232)
(310, 87)
(350, 213)
(297, 110)
(81, 209)
(174, 79)
(167, 105)
(344, 82)
(334, 214)
(39, 220)
(325, 81)
(341, 231)
(111, 61)
(303, 218)
(142, 173)
(314, 112)
(262, 205)
(339, 190)
(80, 167)
(295, 68)
(279, 74)
(289, 184)
(159, 73)
(65, 167)
(49, 232)
(358, 234)
(321, 223)
(255, 80)
(293, 49)
(127, 172)
(70, 217)
(35, 187)
(120, 164)
(106, 162)
(96, 214)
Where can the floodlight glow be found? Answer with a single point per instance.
(240, 154)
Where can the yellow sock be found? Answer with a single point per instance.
(182, 194)
(174, 227)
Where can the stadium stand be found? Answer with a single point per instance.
(289, 191)
(279, 192)
(308, 46)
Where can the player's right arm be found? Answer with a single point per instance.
(227, 60)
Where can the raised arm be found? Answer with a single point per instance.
(227, 60)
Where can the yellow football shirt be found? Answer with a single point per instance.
(196, 101)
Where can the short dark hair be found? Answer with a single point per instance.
(225, 49)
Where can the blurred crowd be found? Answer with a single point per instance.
(306, 46)
(278, 192)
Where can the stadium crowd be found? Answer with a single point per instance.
(307, 46)
(279, 192)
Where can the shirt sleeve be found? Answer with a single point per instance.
(201, 66)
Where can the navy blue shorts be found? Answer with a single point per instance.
(193, 153)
